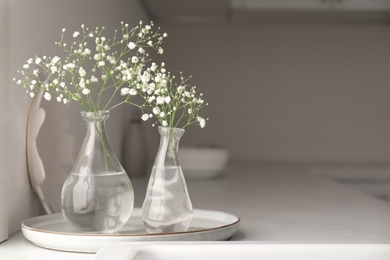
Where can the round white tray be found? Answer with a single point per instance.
(51, 231)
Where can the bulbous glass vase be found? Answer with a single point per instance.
(98, 195)
(167, 206)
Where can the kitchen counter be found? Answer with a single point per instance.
(276, 204)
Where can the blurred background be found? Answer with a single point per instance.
(294, 82)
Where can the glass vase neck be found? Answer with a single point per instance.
(169, 144)
(98, 116)
(171, 132)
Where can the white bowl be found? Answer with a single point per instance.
(202, 162)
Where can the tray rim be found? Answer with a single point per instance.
(26, 227)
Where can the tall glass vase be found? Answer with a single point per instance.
(98, 195)
(167, 206)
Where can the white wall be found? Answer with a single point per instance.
(289, 93)
(35, 26)
(4, 110)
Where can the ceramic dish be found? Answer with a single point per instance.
(202, 162)
(51, 231)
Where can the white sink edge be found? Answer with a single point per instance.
(243, 251)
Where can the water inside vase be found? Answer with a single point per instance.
(167, 206)
(97, 203)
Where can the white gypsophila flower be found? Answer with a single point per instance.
(82, 72)
(47, 96)
(164, 123)
(160, 100)
(134, 59)
(202, 121)
(82, 83)
(111, 59)
(145, 117)
(160, 50)
(156, 110)
(125, 91)
(131, 45)
(153, 67)
(55, 60)
(82, 67)
(133, 92)
(32, 94)
(165, 35)
(190, 111)
(53, 69)
(94, 79)
(145, 77)
(86, 91)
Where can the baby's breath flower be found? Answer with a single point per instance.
(145, 117)
(156, 110)
(125, 91)
(95, 68)
(82, 72)
(160, 100)
(133, 92)
(131, 45)
(202, 121)
(94, 79)
(47, 96)
(134, 59)
(86, 91)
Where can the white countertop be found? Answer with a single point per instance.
(276, 204)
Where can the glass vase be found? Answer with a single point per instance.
(98, 195)
(167, 206)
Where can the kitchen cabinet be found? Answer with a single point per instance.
(362, 5)
(315, 5)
